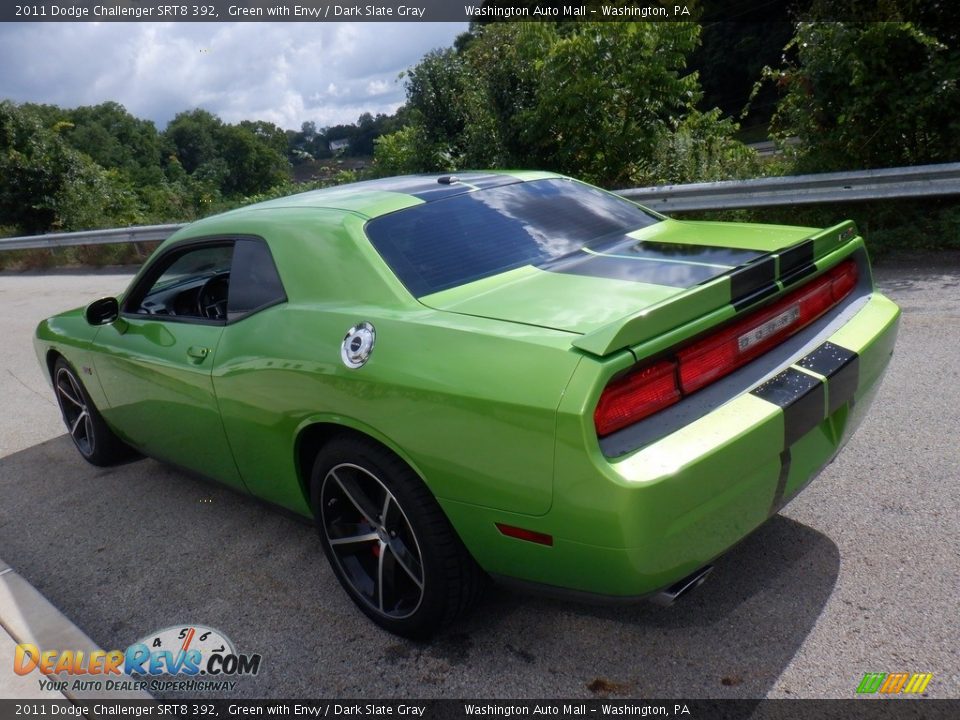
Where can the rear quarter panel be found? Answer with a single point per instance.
(469, 403)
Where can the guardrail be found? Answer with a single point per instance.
(885, 184)
(143, 233)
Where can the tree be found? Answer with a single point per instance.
(610, 94)
(47, 185)
(438, 93)
(267, 133)
(864, 95)
(731, 59)
(113, 138)
(192, 137)
(252, 165)
(34, 163)
(596, 100)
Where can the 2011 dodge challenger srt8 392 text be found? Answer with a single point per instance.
(511, 374)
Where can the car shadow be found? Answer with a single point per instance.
(128, 550)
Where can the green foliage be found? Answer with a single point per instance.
(192, 138)
(435, 88)
(609, 96)
(90, 167)
(866, 95)
(732, 56)
(95, 197)
(608, 102)
(227, 160)
(290, 188)
(252, 165)
(313, 143)
(115, 139)
(47, 185)
(510, 60)
(402, 152)
(267, 133)
(701, 148)
(34, 162)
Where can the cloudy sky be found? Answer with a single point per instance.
(285, 73)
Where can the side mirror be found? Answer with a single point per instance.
(103, 311)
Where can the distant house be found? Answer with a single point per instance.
(339, 145)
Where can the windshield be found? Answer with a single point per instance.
(450, 242)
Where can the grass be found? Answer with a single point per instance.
(76, 256)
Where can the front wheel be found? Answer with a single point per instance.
(96, 442)
(388, 541)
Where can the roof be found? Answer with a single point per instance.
(372, 198)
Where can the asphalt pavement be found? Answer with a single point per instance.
(859, 574)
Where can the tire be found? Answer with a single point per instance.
(92, 437)
(388, 541)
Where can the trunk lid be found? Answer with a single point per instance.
(646, 282)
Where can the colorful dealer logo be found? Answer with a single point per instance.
(189, 650)
(894, 683)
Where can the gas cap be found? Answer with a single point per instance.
(357, 345)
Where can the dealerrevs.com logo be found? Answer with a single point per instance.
(180, 657)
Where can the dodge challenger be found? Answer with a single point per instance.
(502, 374)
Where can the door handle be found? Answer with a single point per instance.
(198, 352)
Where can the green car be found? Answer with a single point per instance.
(506, 374)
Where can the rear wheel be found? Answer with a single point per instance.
(96, 442)
(388, 541)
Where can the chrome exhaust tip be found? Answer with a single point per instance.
(668, 596)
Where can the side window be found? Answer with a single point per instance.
(193, 284)
(254, 281)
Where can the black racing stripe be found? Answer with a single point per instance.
(781, 482)
(660, 263)
(796, 262)
(751, 277)
(753, 282)
(798, 274)
(466, 182)
(639, 269)
(428, 188)
(795, 257)
(411, 185)
(624, 245)
(482, 182)
(437, 191)
(708, 254)
(761, 294)
(841, 367)
(802, 397)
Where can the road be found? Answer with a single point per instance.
(859, 574)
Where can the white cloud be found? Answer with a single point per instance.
(286, 73)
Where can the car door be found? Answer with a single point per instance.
(155, 362)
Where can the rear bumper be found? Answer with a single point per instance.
(637, 523)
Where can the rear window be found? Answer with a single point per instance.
(450, 242)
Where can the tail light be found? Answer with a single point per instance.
(636, 396)
(651, 388)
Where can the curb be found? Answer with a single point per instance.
(28, 617)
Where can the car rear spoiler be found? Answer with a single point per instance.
(752, 282)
